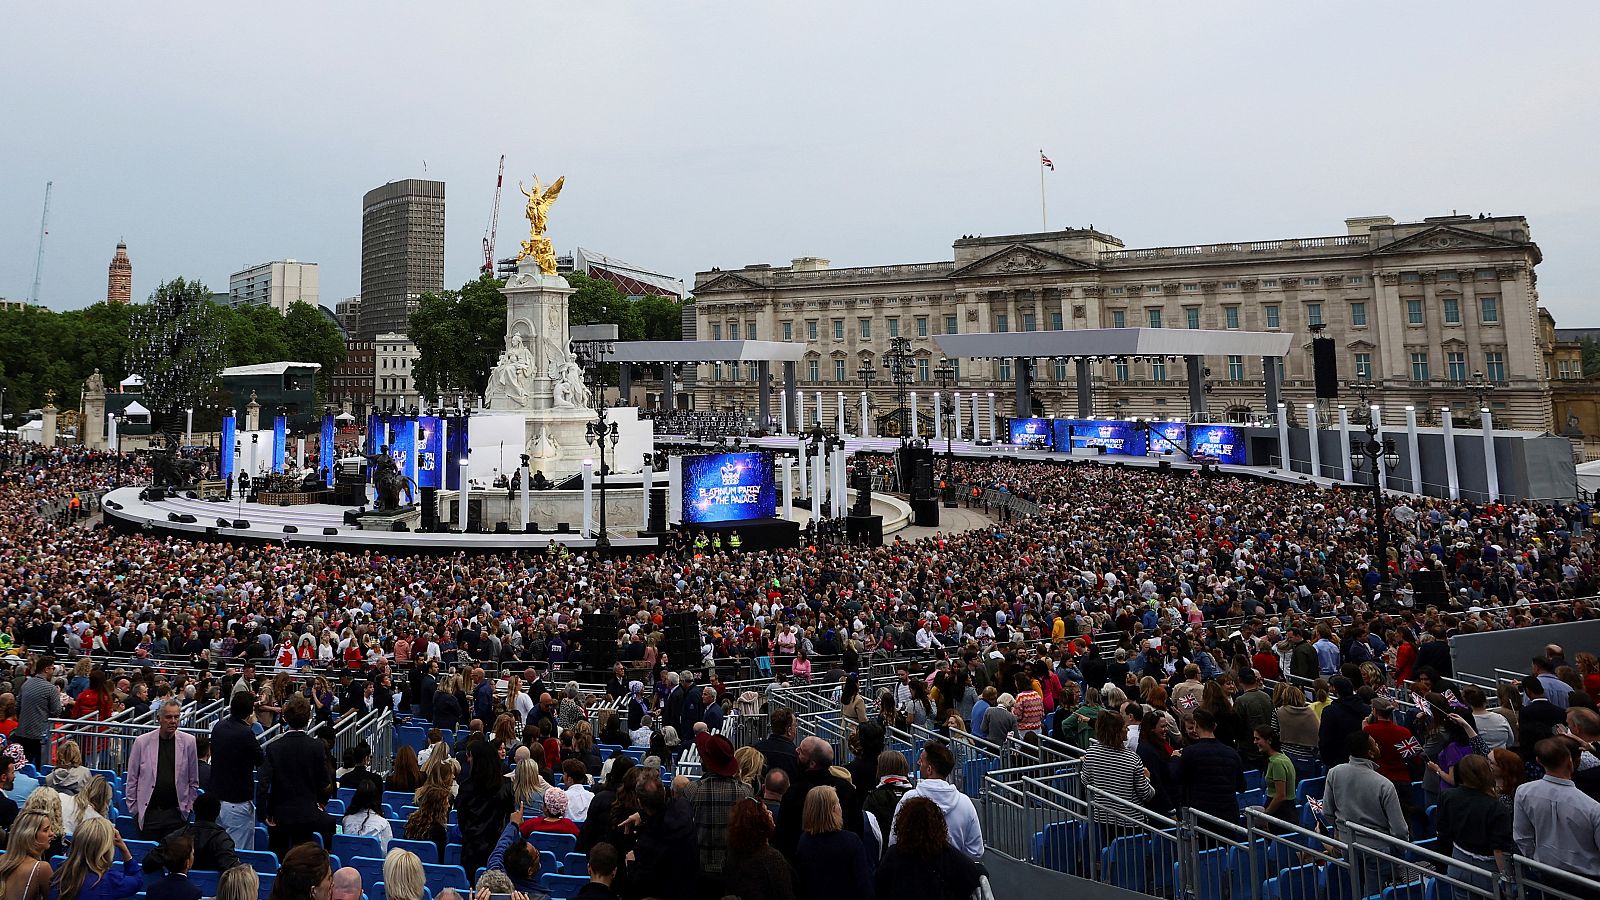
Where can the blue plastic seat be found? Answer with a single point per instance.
(128, 828)
(564, 887)
(1411, 890)
(351, 845)
(346, 794)
(1297, 883)
(575, 864)
(426, 851)
(263, 861)
(1254, 780)
(440, 877)
(558, 844)
(548, 864)
(263, 838)
(1122, 863)
(140, 849)
(266, 878)
(398, 799)
(205, 880)
(371, 869)
(1211, 873)
(336, 807)
(1064, 847)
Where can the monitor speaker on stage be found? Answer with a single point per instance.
(599, 641)
(1325, 368)
(430, 509)
(658, 510)
(861, 480)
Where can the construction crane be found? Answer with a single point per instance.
(44, 229)
(494, 220)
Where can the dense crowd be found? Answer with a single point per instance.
(1208, 587)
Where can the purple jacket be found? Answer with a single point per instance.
(142, 772)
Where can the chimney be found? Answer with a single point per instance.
(808, 264)
(1365, 224)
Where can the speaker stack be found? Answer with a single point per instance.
(430, 509)
(599, 641)
(1325, 368)
(683, 640)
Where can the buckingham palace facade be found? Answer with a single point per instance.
(1418, 308)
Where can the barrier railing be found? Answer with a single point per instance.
(106, 744)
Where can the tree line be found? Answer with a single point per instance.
(41, 349)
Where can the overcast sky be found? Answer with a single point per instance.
(695, 135)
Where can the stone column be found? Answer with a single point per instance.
(991, 417)
(94, 412)
(863, 426)
(915, 424)
(1023, 371)
(252, 415)
(588, 498)
(47, 436)
(1283, 438)
(789, 377)
(955, 421)
(938, 416)
(1344, 443)
(1316, 442)
(1490, 471)
(1411, 450)
(1452, 475)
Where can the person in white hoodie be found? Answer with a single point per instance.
(960, 816)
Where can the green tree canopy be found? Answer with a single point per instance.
(458, 334)
(1591, 358)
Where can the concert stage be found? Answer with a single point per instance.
(754, 534)
(317, 524)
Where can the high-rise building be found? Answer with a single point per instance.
(276, 284)
(402, 252)
(348, 311)
(119, 280)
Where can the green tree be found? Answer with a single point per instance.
(254, 335)
(660, 317)
(458, 334)
(1591, 358)
(596, 301)
(312, 337)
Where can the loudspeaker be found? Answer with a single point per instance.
(502, 528)
(399, 526)
(180, 517)
(290, 529)
(430, 509)
(563, 528)
(599, 641)
(1430, 588)
(224, 523)
(351, 516)
(330, 531)
(916, 471)
(1325, 368)
(683, 640)
(283, 502)
(658, 510)
(192, 495)
(152, 494)
(1164, 466)
(865, 530)
(861, 480)
(925, 511)
(241, 523)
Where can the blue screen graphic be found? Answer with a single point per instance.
(728, 487)
(230, 434)
(430, 455)
(1168, 437)
(1035, 433)
(1117, 437)
(1223, 443)
(280, 442)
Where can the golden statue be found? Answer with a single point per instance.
(538, 247)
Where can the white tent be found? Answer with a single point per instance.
(1589, 476)
(32, 432)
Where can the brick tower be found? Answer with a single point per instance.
(119, 283)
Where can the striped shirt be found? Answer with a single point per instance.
(1029, 710)
(37, 702)
(1119, 773)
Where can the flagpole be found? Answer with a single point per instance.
(1044, 219)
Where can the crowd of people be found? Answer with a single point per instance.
(1208, 587)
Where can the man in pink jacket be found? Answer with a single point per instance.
(163, 776)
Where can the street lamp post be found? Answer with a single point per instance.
(1480, 388)
(592, 356)
(1371, 453)
(946, 375)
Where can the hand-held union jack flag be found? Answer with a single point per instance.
(1316, 806)
(1188, 702)
(1409, 748)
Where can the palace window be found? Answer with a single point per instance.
(1272, 316)
(866, 328)
(1002, 322)
(1005, 370)
(1311, 280)
(1029, 322)
(1122, 370)
(1494, 366)
(922, 326)
(788, 331)
(733, 331)
(716, 331)
(922, 369)
(1414, 312)
(949, 324)
(811, 329)
(1191, 316)
(813, 371)
(1489, 307)
(838, 329)
(1452, 311)
(1314, 313)
(1155, 317)
(1158, 369)
(1055, 321)
(838, 370)
(1358, 315)
(1230, 316)
(1061, 370)
(1364, 366)
(1119, 318)
(1456, 366)
(1235, 368)
(1419, 366)
(894, 327)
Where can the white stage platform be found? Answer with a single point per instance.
(317, 524)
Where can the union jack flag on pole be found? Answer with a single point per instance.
(1409, 748)
(1045, 161)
